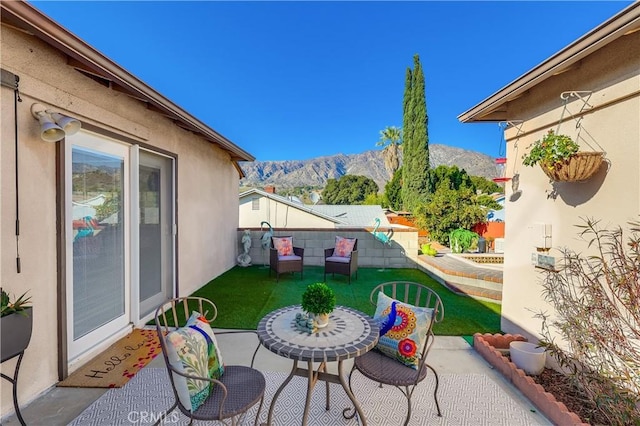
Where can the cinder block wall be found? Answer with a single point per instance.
(401, 253)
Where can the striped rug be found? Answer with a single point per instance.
(465, 399)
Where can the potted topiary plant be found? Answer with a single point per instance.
(560, 158)
(15, 324)
(319, 300)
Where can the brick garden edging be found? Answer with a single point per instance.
(488, 345)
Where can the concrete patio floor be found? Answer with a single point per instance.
(60, 405)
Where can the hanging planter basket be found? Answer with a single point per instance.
(579, 167)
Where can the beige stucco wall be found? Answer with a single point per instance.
(278, 215)
(207, 185)
(613, 196)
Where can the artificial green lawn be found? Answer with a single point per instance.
(244, 295)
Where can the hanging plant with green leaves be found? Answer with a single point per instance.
(550, 150)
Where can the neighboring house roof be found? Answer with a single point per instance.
(95, 65)
(494, 108)
(355, 215)
(288, 202)
(345, 216)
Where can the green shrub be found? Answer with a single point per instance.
(318, 298)
(596, 298)
(461, 240)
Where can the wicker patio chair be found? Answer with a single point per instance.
(289, 263)
(239, 388)
(385, 370)
(341, 265)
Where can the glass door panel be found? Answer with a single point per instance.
(96, 241)
(156, 231)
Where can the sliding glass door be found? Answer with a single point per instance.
(120, 237)
(98, 287)
(155, 185)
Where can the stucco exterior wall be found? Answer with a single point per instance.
(207, 185)
(612, 196)
(279, 215)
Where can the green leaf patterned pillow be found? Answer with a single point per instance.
(405, 329)
(188, 353)
(215, 364)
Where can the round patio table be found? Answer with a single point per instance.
(350, 333)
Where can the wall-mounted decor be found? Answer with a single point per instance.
(560, 156)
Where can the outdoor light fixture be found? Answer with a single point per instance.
(53, 125)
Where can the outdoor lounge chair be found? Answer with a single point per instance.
(384, 369)
(238, 388)
(347, 265)
(284, 257)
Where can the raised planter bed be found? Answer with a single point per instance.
(492, 348)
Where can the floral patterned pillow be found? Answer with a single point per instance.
(403, 329)
(188, 353)
(284, 245)
(193, 350)
(344, 246)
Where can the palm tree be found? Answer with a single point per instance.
(391, 139)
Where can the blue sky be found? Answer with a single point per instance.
(298, 80)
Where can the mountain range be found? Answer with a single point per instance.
(316, 171)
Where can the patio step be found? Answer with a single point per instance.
(463, 277)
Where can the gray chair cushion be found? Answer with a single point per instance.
(338, 259)
(246, 387)
(380, 368)
(288, 258)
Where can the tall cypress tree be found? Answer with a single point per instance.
(415, 185)
(420, 143)
(407, 135)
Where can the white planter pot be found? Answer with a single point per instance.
(322, 320)
(528, 357)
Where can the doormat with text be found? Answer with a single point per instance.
(114, 367)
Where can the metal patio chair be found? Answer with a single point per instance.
(239, 388)
(385, 370)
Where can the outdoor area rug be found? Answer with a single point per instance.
(465, 399)
(114, 367)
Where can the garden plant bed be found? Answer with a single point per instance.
(550, 392)
(558, 384)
